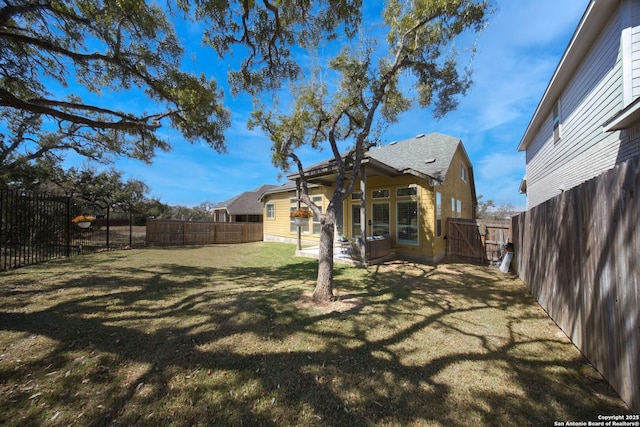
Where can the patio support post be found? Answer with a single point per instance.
(363, 215)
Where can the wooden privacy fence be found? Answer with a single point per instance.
(179, 233)
(478, 240)
(578, 255)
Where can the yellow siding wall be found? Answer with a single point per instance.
(455, 187)
(279, 227)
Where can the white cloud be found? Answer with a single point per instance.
(502, 192)
(498, 176)
(498, 165)
(517, 55)
(526, 25)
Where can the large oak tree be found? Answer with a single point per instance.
(374, 85)
(61, 59)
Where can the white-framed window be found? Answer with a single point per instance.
(380, 219)
(463, 172)
(556, 119)
(407, 222)
(380, 194)
(317, 200)
(356, 231)
(407, 191)
(293, 228)
(356, 195)
(270, 211)
(456, 208)
(438, 214)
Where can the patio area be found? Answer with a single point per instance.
(342, 253)
(348, 252)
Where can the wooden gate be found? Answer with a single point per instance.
(495, 234)
(478, 240)
(463, 239)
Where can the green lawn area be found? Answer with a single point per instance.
(227, 335)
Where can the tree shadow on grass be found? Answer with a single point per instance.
(164, 343)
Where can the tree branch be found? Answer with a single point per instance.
(245, 36)
(276, 31)
(7, 99)
(10, 11)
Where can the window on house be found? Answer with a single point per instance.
(407, 219)
(459, 210)
(293, 228)
(316, 220)
(355, 221)
(380, 219)
(438, 214)
(555, 118)
(270, 211)
(380, 194)
(453, 208)
(407, 191)
(356, 195)
(463, 173)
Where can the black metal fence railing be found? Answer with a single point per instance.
(36, 227)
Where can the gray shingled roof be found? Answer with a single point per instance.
(429, 154)
(247, 203)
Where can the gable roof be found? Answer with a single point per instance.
(427, 156)
(247, 203)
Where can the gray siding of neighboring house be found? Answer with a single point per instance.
(635, 48)
(594, 95)
(630, 145)
(631, 137)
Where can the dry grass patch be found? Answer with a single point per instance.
(340, 305)
(228, 335)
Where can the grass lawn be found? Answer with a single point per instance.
(227, 335)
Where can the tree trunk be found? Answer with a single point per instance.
(324, 286)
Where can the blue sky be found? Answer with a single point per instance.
(517, 54)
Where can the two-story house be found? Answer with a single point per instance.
(588, 119)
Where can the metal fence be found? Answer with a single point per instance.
(36, 227)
